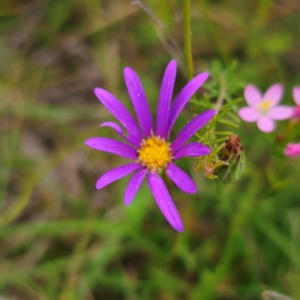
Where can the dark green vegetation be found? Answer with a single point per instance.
(62, 239)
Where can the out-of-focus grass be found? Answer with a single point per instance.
(62, 239)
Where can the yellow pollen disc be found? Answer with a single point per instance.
(264, 106)
(155, 153)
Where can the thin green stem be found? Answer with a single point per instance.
(221, 132)
(222, 94)
(187, 38)
(217, 140)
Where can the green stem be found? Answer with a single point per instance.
(217, 140)
(221, 133)
(222, 94)
(187, 38)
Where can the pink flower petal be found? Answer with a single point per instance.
(252, 95)
(248, 114)
(281, 112)
(274, 93)
(296, 113)
(296, 94)
(265, 124)
(292, 150)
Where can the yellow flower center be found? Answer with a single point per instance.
(155, 153)
(264, 106)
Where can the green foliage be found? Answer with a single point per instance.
(62, 239)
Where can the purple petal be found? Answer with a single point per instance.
(112, 146)
(265, 124)
(281, 112)
(164, 201)
(165, 98)
(296, 94)
(193, 149)
(116, 174)
(249, 114)
(134, 184)
(274, 93)
(139, 100)
(119, 111)
(192, 127)
(252, 95)
(181, 179)
(116, 127)
(183, 97)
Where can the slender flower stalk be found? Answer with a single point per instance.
(187, 38)
(148, 147)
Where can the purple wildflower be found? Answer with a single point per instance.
(296, 95)
(149, 149)
(292, 150)
(264, 109)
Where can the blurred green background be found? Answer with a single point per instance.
(62, 239)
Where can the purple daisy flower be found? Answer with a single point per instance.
(264, 109)
(148, 148)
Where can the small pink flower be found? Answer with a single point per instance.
(296, 94)
(292, 150)
(264, 109)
